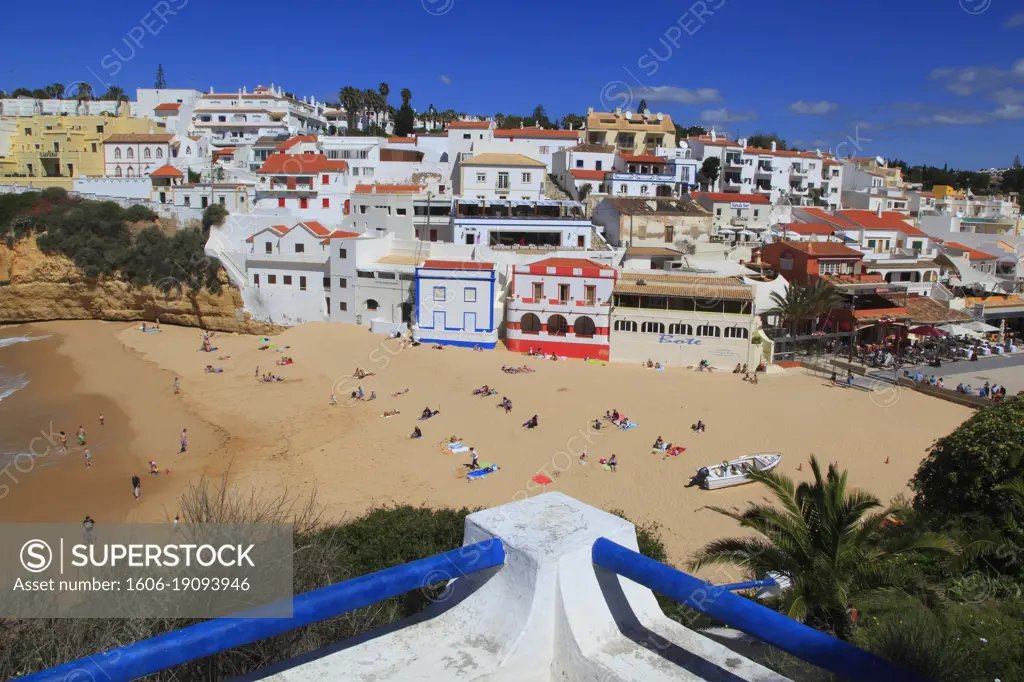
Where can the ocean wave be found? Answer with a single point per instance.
(10, 384)
(11, 340)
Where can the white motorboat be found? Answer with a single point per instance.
(736, 472)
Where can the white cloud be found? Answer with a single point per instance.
(723, 115)
(670, 93)
(813, 108)
(954, 118)
(1009, 111)
(1014, 21)
(968, 80)
(1008, 96)
(1018, 68)
(445, 79)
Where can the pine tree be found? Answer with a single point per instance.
(643, 106)
(161, 82)
(1016, 161)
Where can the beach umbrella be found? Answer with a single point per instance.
(927, 330)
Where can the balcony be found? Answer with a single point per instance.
(764, 169)
(734, 161)
(797, 171)
(281, 187)
(766, 189)
(798, 190)
(502, 188)
(739, 221)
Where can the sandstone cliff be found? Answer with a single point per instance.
(34, 287)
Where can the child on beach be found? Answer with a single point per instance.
(63, 442)
(81, 436)
(612, 463)
(136, 482)
(184, 441)
(101, 420)
(416, 433)
(583, 457)
(88, 457)
(177, 386)
(475, 464)
(334, 399)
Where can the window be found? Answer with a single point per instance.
(625, 326)
(93, 147)
(117, 172)
(371, 304)
(99, 129)
(871, 243)
(287, 280)
(670, 234)
(438, 293)
(302, 283)
(467, 136)
(327, 283)
(342, 253)
(544, 150)
(718, 212)
(268, 247)
(326, 202)
(557, 326)
(579, 163)
(117, 152)
(643, 189)
(756, 212)
(365, 274)
(131, 153)
(222, 200)
(280, 202)
(188, 200)
(342, 306)
(785, 262)
(590, 294)
(28, 132)
(131, 172)
(481, 177)
(385, 275)
(708, 330)
(342, 283)
(736, 333)
(503, 182)
(652, 328)
(256, 279)
(597, 165)
(584, 326)
(833, 268)
(271, 279)
(400, 211)
(563, 293)
(529, 324)
(222, 119)
(303, 202)
(146, 153)
(623, 189)
(680, 329)
(916, 245)
(325, 180)
(159, 152)
(538, 291)
(469, 295)
(526, 178)
(300, 248)
(204, 201)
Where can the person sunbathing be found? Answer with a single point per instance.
(524, 368)
(437, 346)
(391, 413)
(398, 393)
(737, 370)
(531, 423)
(416, 433)
(483, 390)
(657, 366)
(649, 364)
(659, 444)
(615, 415)
(597, 424)
(210, 369)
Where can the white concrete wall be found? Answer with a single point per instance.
(526, 183)
(683, 349)
(100, 188)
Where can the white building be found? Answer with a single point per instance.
(305, 185)
(580, 170)
(561, 306)
(800, 177)
(171, 106)
(406, 211)
(288, 267)
(457, 304)
(29, 106)
(672, 223)
(679, 320)
(501, 176)
(134, 155)
(646, 175)
(544, 224)
(233, 119)
(534, 143)
(736, 212)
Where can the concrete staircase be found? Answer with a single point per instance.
(553, 191)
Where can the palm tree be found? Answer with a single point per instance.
(55, 90)
(821, 299)
(384, 89)
(84, 91)
(350, 99)
(406, 96)
(114, 94)
(370, 98)
(834, 545)
(793, 307)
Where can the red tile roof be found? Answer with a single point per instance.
(340, 234)
(225, 152)
(537, 133)
(837, 219)
(827, 249)
(301, 164)
(890, 220)
(732, 196)
(292, 141)
(972, 254)
(457, 265)
(474, 125)
(588, 174)
(315, 227)
(807, 228)
(168, 106)
(167, 171)
(279, 230)
(389, 189)
(403, 140)
(642, 158)
(568, 263)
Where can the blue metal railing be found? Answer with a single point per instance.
(793, 637)
(750, 584)
(214, 636)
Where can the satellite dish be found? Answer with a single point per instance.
(880, 160)
(629, 115)
(683, 144)
(661, 116)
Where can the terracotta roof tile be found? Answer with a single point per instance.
(139, 138)
(292, 141)
(168, 106)
(807, 228)
(642, 158)
(301, 164)
(726, 288)
(457, 265)
(340, 234)
(588, 174)
(472, 125)
(167, 171)
(492, 159)
(389, 189)
(568, 263)
(827, 249)
(972, 254)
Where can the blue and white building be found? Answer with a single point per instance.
(457, 304)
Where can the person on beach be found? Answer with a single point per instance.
(184, 441)
(88, 458)
(88, 523)
(136, 483)
(81, 435)
(612, 463)
(257, 374)
(583, 457)
(391, 413)
(835, 379)
(334, 399)
(101, 420)
(531, 423)
(416, 433)
(63, 442)
(176, 524)
(177, 385)
(475, 464)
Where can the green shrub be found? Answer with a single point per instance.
(54, 194)
(138, 213)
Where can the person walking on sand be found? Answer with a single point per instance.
(177, 385)
(136, 482)
(101, 420)
(81, 435)
(475, 464)
(88, 457)
(63, 442)
(257, 374)
(184, 441)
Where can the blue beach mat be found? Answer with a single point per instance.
(480, 473)
(627, 427)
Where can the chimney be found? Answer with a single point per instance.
(618, 111)
(879, 211)
(211, 89)
(714, 135)
(520, 125)
(244, 91)
(774, 146)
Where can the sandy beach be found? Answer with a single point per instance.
(287, 434)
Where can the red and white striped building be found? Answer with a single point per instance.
(561, 306)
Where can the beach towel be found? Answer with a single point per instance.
(455, 448)
(218, 370)
(389, 416)
(151, 331)
(630, 425)
(264, 339)
(606, 467)
(675, 452)
(596, 362)
(542, 479)
(659, 369)
(483, 471)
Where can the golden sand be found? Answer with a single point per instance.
(288, 434)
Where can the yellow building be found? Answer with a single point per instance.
(631, 132)
(893, 177)
(945, 191)
(50, 151)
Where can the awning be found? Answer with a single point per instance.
(548, 202)
(573, 204)
(497, 202)
(517, 202)
(471, 202)
(727, 230)
(959, 330)
(979, 326)
(745, 233)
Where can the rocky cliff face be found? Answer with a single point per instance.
(34, 287)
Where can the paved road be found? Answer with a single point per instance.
(1007, 370)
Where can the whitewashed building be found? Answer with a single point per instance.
(233, 119)
(734, 213)
(501, 176)
(544, 224)
(672, 223)
(534, 143)
(580, 170)
(135, 155)
(288, 269)
(562, 306)
(303, 185)
(457, 304)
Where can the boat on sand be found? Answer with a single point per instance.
(736, 472)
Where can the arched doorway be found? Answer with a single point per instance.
(557, 326)
(371, 304)
(664, 190)
(584, 326)
(530, 324)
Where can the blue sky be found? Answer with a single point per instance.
(929, 81)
